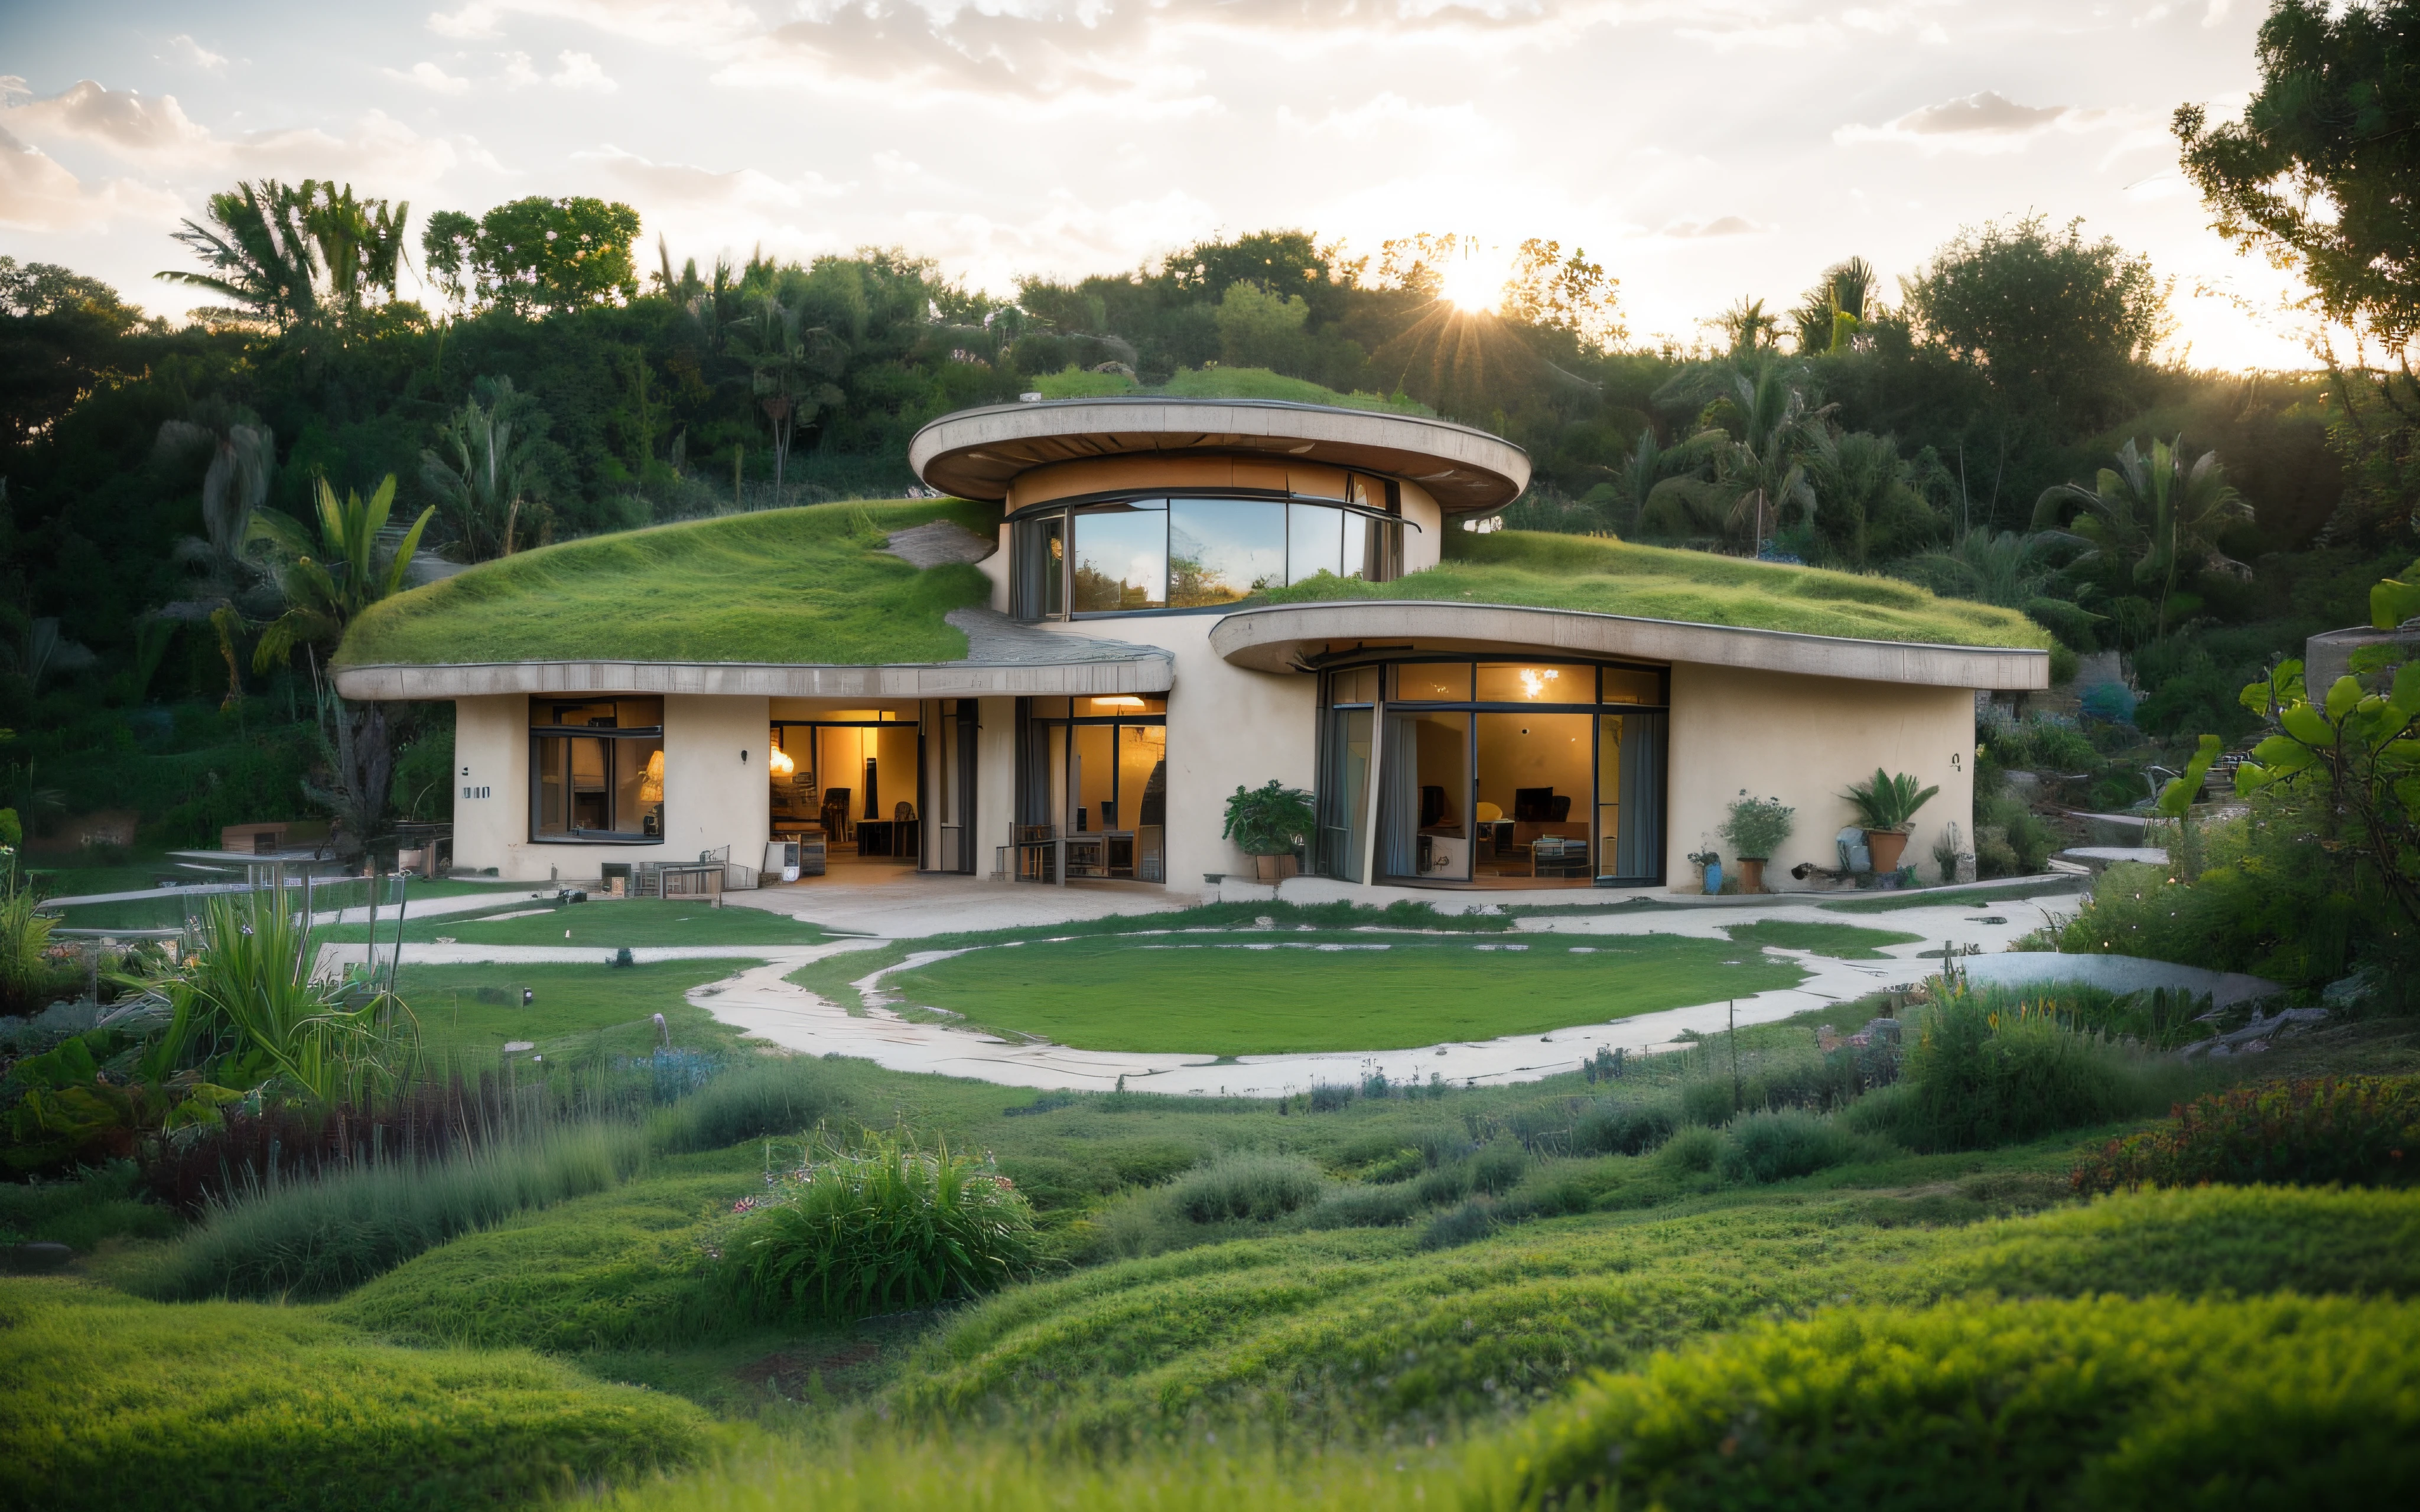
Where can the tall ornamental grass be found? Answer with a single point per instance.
(1247, 1185)
(882, 1227)
(2361, 1131)
(1986, 1070)
(777, 1095)
(316, 1237)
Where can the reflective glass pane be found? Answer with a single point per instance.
(1534, 681)
(1355, 685)
(1314, 541)
(1121, 559)
(1223, 550)
(1444, 682)
(638, 767)
(1622, 686)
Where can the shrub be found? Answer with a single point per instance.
(883, 1228)
(1694, 1148)
(2103, 1402)
(1498, 1166)
(116, 1403)
(1473, 1221)
(1708, 1102)
(1365, 1206)
(317, 1238)
(774, 1096)
(1984, 1071)
(1247, 1185)
(1756, 826)
(2359, 1130)
(1626, 1126)
(1778, 1144)
(2244, 1239)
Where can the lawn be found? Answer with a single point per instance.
(1265, 993)
(1844, 942)
(469, 1013)
(807, 585)
(1609, 577)
(602, 923)
(170, 910)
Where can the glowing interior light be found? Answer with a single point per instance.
(1534, 680)
(780, 764)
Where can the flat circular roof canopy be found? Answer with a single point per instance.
(976, 453)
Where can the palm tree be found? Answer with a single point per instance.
(1829, 315)
(324, 594)
(244, 459)
(2156, 511)
(1746, 327)
(1867, 497)
(480, 470)
(2007, 569)
(791, 364)
(1764, 468)
(262, 260)
(359, 242)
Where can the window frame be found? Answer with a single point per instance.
(611, 735)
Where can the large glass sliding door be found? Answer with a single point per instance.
(1092, 772)
(1489, 770)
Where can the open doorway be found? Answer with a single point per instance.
(850, 778)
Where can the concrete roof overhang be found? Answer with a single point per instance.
(976, 453)
(948, 679)
(1284, 638)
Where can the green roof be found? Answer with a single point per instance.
(809, 585)
(1216, 382)
(1602, 576)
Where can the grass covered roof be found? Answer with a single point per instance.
(1602, 576)
(809, 585)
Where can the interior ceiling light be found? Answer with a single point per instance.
(1118, 701)
(780, 764)
(1534, 681)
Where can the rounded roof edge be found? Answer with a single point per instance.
(1276, 639)
(1148, 672)
(976, 453)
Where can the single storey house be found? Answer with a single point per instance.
(1122, 610)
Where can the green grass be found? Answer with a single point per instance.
(116, 1403)
(579, 1011)
(783, 585)
(1219, 383)
(1844, 942)
(600, 924)
(1609, 577)
(1268, 993)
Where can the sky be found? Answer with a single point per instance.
(1702, 152)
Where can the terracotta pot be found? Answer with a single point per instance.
(1887, 846)
(1275, 868)
(1751, 874)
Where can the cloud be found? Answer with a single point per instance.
(379, 151)
(131, 125)
(187, 51)
(1725, 225)
(473, 19)
(1985, 121)
(682, 185)
(581, 71)
(37, 194)
(430, 77)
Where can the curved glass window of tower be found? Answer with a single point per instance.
(1121, 557)
(1148, 554)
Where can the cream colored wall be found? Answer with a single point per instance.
(712, 798)
(1423, 546)
(1804, 740)
(995, 778)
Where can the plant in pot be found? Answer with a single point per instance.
(1887, 807)
(1269, 823)
(1757, 827)
(1711, 864)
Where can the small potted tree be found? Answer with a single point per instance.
(1887, 807)
(1269, 823)
(1757, 827)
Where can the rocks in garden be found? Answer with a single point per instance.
(2255, 1036)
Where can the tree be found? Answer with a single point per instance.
(482, 470)
(284, 255)
(1830, 316)
(2322, 171)
(1867, 502)
(2156, 512)
(1572, 294)
(2058, 324)
(243, 460)
(60, 335)
(1746, 328)
(353, 570)
(535, 255)
(1759, 466)
(791, 365)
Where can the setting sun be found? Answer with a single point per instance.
(1474, 282)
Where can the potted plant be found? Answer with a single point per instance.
(1756, 830)
(1269, 823)
(1886, 808)
(1710, 863)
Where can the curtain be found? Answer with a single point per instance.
(1398, 799)
(1641, 847)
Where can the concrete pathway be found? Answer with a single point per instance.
(895, 903)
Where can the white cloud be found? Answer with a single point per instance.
(37, 194)
(430, 77)
(1985, 121)
(518, 71)
(679, 184)
(153, 128)
(187, 51)
(1722, 226)
(381, 153)
(581, 71)
(473, 19)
